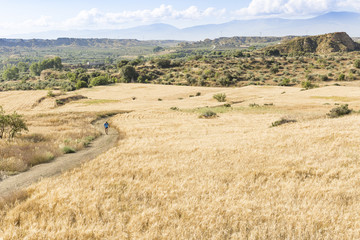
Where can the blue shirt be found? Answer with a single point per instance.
(106, 125)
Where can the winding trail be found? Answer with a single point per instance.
(62, 163)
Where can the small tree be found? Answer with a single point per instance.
(129, 73)
(3, 122)
(11, 124)
(11, 73)
(163, 63)
(16, 124)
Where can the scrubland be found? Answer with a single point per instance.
(177, 176)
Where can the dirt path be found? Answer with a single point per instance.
(60, 164)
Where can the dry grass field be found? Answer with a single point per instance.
(178, 176)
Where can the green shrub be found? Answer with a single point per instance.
(324, 78)
(227, 105)
(208, 114)
(100, 80)
(174, 108)
(357, 63)
(220, 97)
(81, 84)
(341, 77)
(254, 105)
(307, 84)
(50, 94)
(68, 149)
(282, 121)
(198, 94)
(284, 82)
(339, 111)
(87, 140)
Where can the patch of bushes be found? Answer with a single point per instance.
(208, 114)
(282, 121)
(339, 111)
(220, 97)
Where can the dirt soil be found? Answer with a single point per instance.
(60, 164)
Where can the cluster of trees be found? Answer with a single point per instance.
(37, 67)
(11, 72)
(82, 79)
(11, 124)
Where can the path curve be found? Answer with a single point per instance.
(62, 163)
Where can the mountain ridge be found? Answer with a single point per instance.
(326, 23)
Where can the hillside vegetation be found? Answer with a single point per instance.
(303, 62)
(178, 176)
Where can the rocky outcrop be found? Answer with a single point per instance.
(320, 44)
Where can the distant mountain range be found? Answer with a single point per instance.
(330, 22)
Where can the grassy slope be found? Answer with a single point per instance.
(177, 176)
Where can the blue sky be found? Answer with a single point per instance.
(24, 16)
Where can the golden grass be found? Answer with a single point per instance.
(48, 134)
(99, 101)
(337, 98)
(175, 176)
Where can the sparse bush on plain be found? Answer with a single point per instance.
(339, 111)
(220, 97)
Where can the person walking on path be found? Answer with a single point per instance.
(106, 126)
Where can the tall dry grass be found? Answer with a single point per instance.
(176, 176)
(48, 135)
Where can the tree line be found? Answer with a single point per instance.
(13, 72)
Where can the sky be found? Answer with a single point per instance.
(24, 16)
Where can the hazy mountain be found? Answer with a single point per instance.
(330, 22)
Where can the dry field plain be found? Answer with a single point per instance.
(178, 176)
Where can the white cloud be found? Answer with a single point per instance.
(43, 21)
(96, 18)
(295, 8)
